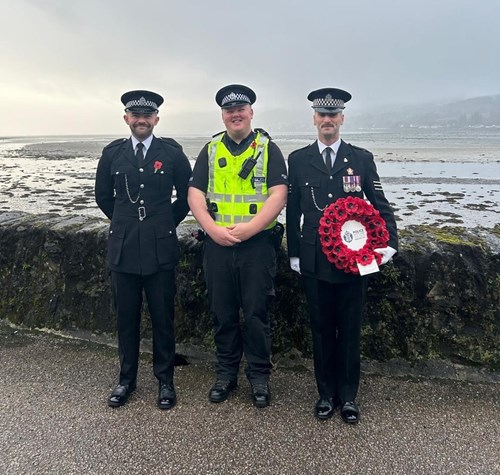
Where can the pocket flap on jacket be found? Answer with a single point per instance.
(309, 235)
(117, 231)
(165, 232)
(315, 182)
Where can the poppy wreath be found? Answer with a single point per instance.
(350, 229)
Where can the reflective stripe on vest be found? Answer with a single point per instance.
(228, 219)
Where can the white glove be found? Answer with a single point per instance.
(387, 253)
(295, 264)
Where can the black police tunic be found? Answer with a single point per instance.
(312, 189)
(138, 200)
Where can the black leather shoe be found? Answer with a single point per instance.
(261, 394)
(166, 395)
(324, 408)
(120, 394)
(219, 392)
(350, 412)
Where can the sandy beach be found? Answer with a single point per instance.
(435, 179)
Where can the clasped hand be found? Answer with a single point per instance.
(231, 235)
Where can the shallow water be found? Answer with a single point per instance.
(430, 177)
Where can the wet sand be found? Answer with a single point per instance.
(454, 185)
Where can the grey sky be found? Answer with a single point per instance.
(66, 63)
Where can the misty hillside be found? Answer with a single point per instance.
(476, 112)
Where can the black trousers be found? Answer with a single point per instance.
(127, 293)
(336, 312)
(238, 278)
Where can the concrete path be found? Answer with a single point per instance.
(54, 420)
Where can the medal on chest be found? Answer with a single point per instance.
(351, 182)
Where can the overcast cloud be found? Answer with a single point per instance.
(66, 63)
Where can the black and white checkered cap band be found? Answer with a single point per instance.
(235, 97)
(142, 102)
(328, 101)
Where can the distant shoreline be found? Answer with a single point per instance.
(429, 178)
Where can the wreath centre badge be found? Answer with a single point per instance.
(353, 234)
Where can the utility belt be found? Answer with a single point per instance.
(141, 212)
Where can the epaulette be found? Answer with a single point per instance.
(170, 141)
(263, 132)
(218, 133)
(299, 150)
(114, 143)
(359, 148)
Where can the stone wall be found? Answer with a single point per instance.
(439, 299)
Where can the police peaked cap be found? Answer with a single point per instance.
(234, 95)
(329, 100)
(141, 101)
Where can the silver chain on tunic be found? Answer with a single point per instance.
(314, 201)
(128, 192)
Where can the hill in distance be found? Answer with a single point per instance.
(474, 112)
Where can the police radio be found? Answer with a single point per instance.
(248, 166)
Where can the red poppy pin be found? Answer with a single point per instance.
(157, 165)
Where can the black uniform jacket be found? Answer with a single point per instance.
(127, 192)
(309, 181)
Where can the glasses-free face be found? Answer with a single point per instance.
(141, 124)
(238, 120)
(328, 125)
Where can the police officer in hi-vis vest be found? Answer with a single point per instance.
(238, 188)
(134, 183)
(320, 174)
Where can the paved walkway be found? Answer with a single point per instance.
(54, 420)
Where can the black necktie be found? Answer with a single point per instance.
(328, 159)
(140, 154)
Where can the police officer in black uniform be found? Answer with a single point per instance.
(134, 183)
(239, 256)
(317, 175)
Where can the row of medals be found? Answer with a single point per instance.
(352, 183)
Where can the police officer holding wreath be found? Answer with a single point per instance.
(238, 188)
(320, 174)
(134, 184)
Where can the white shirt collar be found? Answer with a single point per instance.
(334, 146)
(146, 142)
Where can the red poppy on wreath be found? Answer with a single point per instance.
(157, 165)
(350, 229)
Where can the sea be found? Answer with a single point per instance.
(441, 177)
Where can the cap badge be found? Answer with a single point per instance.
(142, 102)
(235, 97)
(328, 97)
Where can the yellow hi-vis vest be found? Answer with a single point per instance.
(233, 199)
